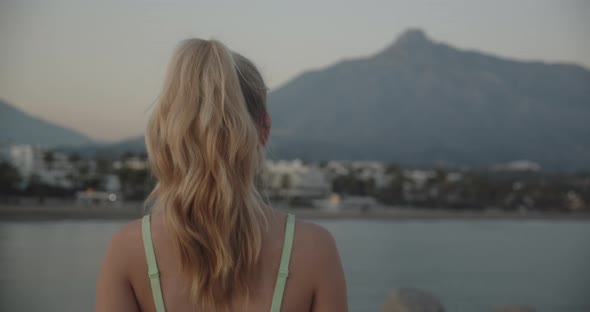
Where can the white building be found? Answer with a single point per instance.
(133, 163)
(294, 179)
(518, 165)
(27, 159)
(374, 170)
(336, 168)
(418, 178)
(31, 160)
(364, 170)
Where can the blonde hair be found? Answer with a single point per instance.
(205, 149)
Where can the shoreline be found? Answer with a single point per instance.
(130, 211)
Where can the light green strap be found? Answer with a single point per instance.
(277, 298)
(153, 272)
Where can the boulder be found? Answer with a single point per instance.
(411, 300)
(514, 308)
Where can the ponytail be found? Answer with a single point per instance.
(205, 150)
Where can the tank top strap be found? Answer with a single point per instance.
(153, 272)
(283, 273)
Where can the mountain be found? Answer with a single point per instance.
(18, 127)
(421, 102)
(134, 145)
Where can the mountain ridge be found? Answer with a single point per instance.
(422, 102)
(20, 127)
(416, 77)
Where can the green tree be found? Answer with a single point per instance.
(84, 170)
(127, 155)
(393, 193)
(103, 166)
(286, 182)
(74, 158)
(38, 188)
(49, 158)
(9, 178)
(352, 184)
(393, 170)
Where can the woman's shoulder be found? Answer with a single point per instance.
(128, 234)
(317, 260)
(125, 246)
(314, 244)
(313, 234)
(122, 266)
(310, 239)
(308, 234)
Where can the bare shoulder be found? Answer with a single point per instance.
(313, 234)
(315, 242)
(124, 245)
(128, 234)
(319, 253)
(114, 291)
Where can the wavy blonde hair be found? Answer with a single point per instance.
(206, 149)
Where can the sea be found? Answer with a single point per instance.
(470, 265)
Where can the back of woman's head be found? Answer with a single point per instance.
(205, 143)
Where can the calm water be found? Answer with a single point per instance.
(471, 266)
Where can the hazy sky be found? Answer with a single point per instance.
(96, 66)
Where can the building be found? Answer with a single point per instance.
(27, 159)
(133, 163)
(52, 168)
(518, 165)
(294, 179)
(372, 170)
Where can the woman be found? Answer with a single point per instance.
(211, 243)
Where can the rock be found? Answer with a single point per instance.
(514, 308)
(411, 300)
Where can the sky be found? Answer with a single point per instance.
(97, 66)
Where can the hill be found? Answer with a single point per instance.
(421, 102)
(18, 127)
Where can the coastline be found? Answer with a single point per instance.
(132, 210)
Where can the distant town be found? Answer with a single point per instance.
(32, 174)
